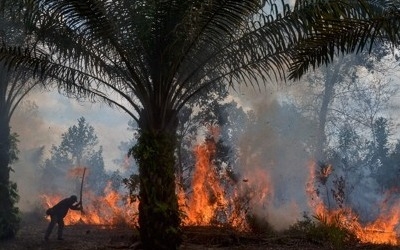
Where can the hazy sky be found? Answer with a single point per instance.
(57, 113)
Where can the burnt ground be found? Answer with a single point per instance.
(90, 237)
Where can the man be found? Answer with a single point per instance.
(57, 214)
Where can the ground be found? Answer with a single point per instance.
(90, 237)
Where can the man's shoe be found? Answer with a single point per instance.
(46, 238)
(59, 238)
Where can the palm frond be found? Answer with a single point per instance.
(342, 28)
(160, 54)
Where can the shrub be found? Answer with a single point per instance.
(325, 230)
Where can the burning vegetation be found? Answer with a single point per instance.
(110, 210)
(216, 199)
(382, 230)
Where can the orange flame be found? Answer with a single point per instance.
(109, 210)
(212, 203)
(208, 196)
(380, 231)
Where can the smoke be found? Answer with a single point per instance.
(27, 179)
(273, 145)
(33, 135)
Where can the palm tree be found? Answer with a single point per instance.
(150, 58)
(14, 86)
(156, 56)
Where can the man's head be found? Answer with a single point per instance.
(74, 198)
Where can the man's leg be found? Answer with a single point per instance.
(60, 229)
(49, 228)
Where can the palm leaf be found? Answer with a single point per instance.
(342, 28)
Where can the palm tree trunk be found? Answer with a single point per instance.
(159, 220)
(8, 214)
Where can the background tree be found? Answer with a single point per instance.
(219, 121)
(9, 215)
(384, 169)
(349, 95)
(77, 149)
(353, 87)
(391, 173)
(195, 120)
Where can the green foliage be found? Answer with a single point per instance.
(332, 231)
(9, 212)
(14, 151)
(132, 183)
(360, 26)
(326, 231)
(350, 145)
(10, 218)
(159, 217)
(381, 155)
(380, 143)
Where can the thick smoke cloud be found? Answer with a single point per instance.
(273, 146)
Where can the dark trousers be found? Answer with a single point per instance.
(55, 220)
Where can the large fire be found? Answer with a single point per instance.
(110, 209)
(211, 201)
(218, 200)
(208, 197)
(208, 203)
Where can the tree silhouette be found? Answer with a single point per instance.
(77, 149)
(14, 86)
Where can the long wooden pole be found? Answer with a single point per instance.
(80, 199)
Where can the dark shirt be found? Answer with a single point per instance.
(61, 209)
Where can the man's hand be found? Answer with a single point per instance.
(80, 207)
(77, 206)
